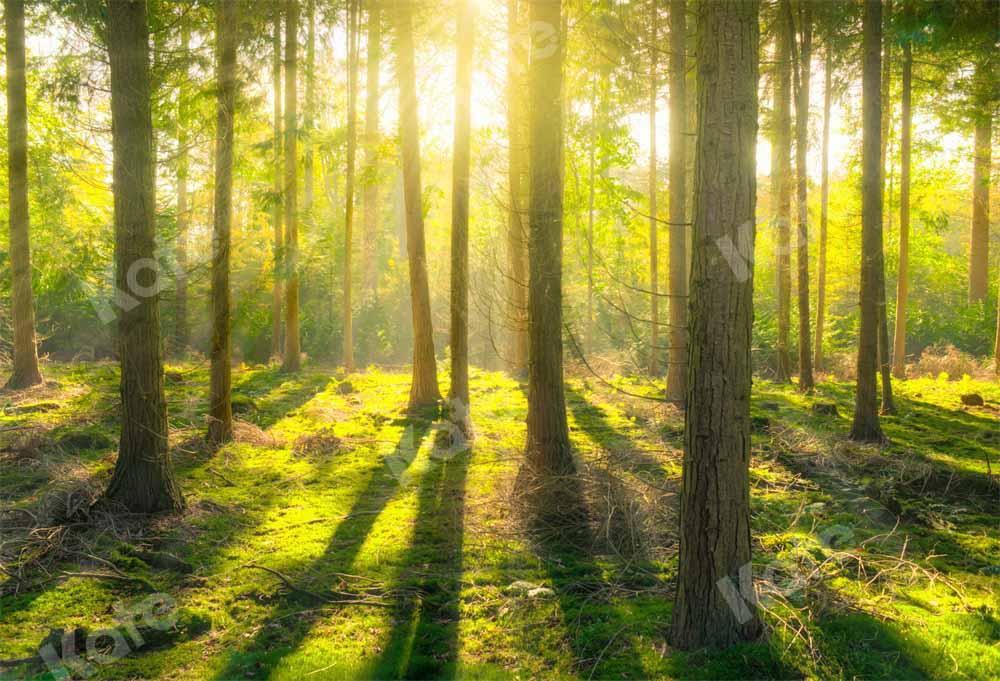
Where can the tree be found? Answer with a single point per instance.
(548, 452)
(517, 250)
(276, 225)
(181, 330)
(677, 373)
(369, 271)
(654, 223)
(715, 494)
(309, 114)
(903, 281)
(885, 164)
(352, 145)
(293, 359)
(459, 395)
(781, 185)
(824, 210)
(424, 390)
(142, 481)
(979, 248)
(802, 77)
(866, 427)
(25, 370)
(220, 424)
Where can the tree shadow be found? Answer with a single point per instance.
(257, 399)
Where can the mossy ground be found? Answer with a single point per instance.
(873, 563)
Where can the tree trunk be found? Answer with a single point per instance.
(424, 390)
(885, 163)
(711, 609)
(460, 221)
(517, 243)
(824, 211)
(279, 238)
(548, 453)
(654, 226)
(980, 243)
(352, 145)
(293, 353)
(25, 370)
(220, 424)
(591, 211)
(181, 329)
(309, 116)
(866, 427)
(677, 372)
(781, 187)
(903, 283)
(803, 74)
(142, 481)
(369, 266)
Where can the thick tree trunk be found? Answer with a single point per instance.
(517, 230)
(866, 426)
(824, 211)
(220, 424)
(803, 74)
(181, 329)
(25, 370)
(279, 237)
(903, 282)
(548, 453)
(142, 481)
(352, 146)
(677, 372)
(781, 187)
(369, 266)
(424, 388)
(654, 225)
(292, 360)
(460, 220)
(711, 608)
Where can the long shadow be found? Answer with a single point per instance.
(423, 643)
(271, 644)
(257, 399)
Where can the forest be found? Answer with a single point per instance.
(499, 339)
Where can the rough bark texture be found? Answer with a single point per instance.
(517, 229)
(654, 225)
(25, 367)
(142, 481)
(292, 360)
(369, 267)
(424, 388)
(548, 453)
(220, 424)
(903, 282)
(352, 150)
(824, 212)
(460, 218)
(866, 426)
(181, 329)
(677, 372)
(781, 187)
(803, 73)
(711, 608)
(276, 225)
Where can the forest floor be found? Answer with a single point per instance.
(341, 537)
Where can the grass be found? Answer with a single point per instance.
(872, 563)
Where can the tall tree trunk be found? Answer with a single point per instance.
(352, 145)
(460, 220)
(677, 372)
(866, 427)
(143, 481)
(711, 609)
(548, 453)
(824, 212)
(25, 370)
(276, 226)
(903, 282)
(781, 187)
(424, 390)
(369, 267)
(885, 163)
(591, 211)
(309, 116)
(181, 329)
(979, 248)
(220, 424)
(802, 78)
(654, 225)
(293, 353)
(517, 230)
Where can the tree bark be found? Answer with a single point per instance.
(352, 145)
(220, 424)
(866, 427)
(711, 609)
(885, 165)
(803, 74)
(824, 211)
(677, 372)
(903, 282)
(309, 116)
(424, 389)
(369, 266)
(654, 225)
(517, 242)
(292, 360)
(25, 371)
(181, 329)
(781, 187)
(979, 248)
(276, 224)
(460, 220)
(142, 481)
